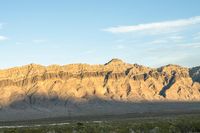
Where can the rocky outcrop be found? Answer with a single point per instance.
(35, 84)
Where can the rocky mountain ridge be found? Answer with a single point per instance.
(114, 80)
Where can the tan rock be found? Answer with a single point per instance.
(115, 80)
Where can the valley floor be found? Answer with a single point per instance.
(127, 123)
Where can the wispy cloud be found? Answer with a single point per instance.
(176, 37)
(19, 43)
(39, 40)
(165, 25)
(158, 42)
(89, 52)
(3, 38)
(196, 36)
(1, 25)
(190, 45)
(120, 46)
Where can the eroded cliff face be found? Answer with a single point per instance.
(115, 80)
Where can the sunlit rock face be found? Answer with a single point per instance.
(35, 91)
(116, 80)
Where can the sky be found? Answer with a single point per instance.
(152, 33)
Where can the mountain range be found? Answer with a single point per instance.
(38, 91)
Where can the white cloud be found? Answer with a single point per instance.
(156, 26)
(120, 46)
(196, 46)
(158, 42)
(191, 45)
(18, 43)
(89, 52)
(120, 40)
(3, 38)
(176, 37)
(196, 36)
(1, 25)
(39, 40)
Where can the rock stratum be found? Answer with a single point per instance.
(76, 89)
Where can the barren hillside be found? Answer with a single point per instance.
(41, 88)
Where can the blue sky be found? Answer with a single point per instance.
(152, 33)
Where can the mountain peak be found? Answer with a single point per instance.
(115, 61)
